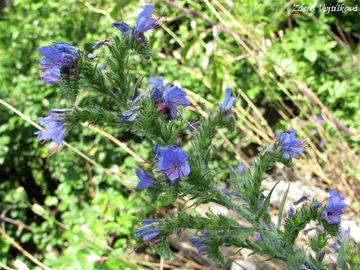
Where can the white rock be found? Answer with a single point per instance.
(243, 265)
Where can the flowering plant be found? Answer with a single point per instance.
(183, 154)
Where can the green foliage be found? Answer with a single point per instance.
(150, 124)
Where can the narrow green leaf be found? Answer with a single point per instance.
(266, 202)
(293, 263)
(341, 259)
(282, 204)
(163, 249)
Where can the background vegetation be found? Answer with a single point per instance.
(286, 67)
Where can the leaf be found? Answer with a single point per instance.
(282, 204)
(215, 255)
(266, 202)
(293, 263)
(25, 237)
(331, 44)
(310, 54)
(341, 259)
(163, 249)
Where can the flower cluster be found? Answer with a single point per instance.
(153, 114)
(58, 59)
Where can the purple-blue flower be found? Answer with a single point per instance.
(99, 44)
(291, 212)
(173, 97)
(261, 204)
(344, 233)
(129, 115)
(199, 244)
(319, 118)
(290, 144)
(55, 126)
(158, 88)
(145, 180)
(149, 231)
(172, 161)
(123, 27)
(334, 208)
(228, 193)
(335, 247)
(228, 102)
(144, 22)
(322, 143)
(316, 205)
(57, 58)
(257, 237)
(240, 168)
(167, 97)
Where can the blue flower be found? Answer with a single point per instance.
(172, 161)
(240, 168)
(57, 58)
(228, 102)
(55, 126)
(269, 149)
(144, 22)
(228, 193)
(344, 233)
(123, 27)
(199, 244)
(158, 88)
(322, 143)
(149, 232)
(173, 97)
(257, 237)
(290, 144)
(99, 44)
(194, 125)
(319, 118)
(129, 115)
(335, 247)
(291, 212)
(261, 204)
(316, 205)
(145, 180)
(51, 76)
(334, 208)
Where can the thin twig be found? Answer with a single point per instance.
(114, 140)
(99, 11)
(16, 222)
(5, 266)
(22, 250)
